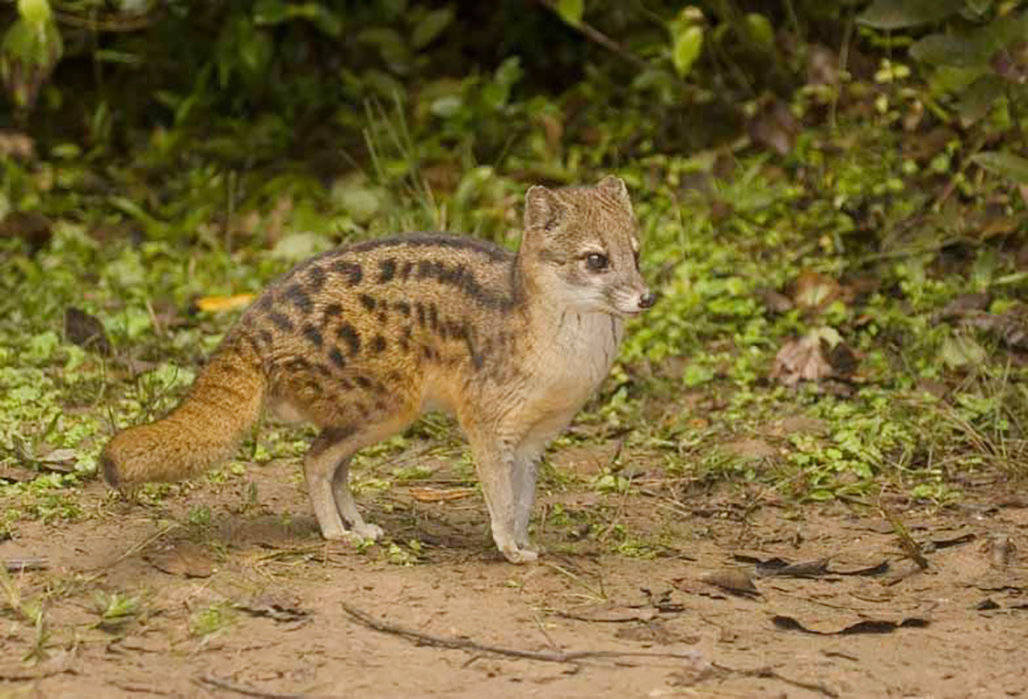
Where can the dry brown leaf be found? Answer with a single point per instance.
(277, 606)
(750, 449)
(799, 424)
(31, 226)
(16, 145)
(962, 305)
(847, 623)
(818, 355)
(85, 330)
(736, 580)
(774, 301)
(814, 290)
(1000, 550)
(1010, 327)
(185, 559)
(774, 126)
(800, 360)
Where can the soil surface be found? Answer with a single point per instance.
(667, 589)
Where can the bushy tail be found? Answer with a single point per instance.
(204, 429)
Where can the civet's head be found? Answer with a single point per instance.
(581, 246)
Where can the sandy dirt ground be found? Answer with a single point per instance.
(667, 589)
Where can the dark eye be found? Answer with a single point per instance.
(596, 262)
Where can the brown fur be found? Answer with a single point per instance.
(363, 339)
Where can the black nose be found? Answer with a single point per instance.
(647, 300)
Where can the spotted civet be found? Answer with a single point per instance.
(363, 339)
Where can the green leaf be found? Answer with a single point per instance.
(446, 106)
(951, 50)
(1008, 165)
(760, 30)
(325, 20)
(571, 11)
(900, 14)
(695, 374)
(271, 12)
(496, 94)
(112, 56)
(978, 98)
(429, 28)
(35, 11)
(686, 49)
(961, 351)
(299, 246)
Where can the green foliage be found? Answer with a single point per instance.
(116, 610)
(28, 52)
(978, 58)
(686, 40)
(211, 619)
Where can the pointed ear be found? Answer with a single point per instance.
(614, 186)
(542, 208)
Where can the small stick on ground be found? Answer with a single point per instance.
(136, 548)
(230, 686)
(770, 672)
(19, 565)
(467, 644)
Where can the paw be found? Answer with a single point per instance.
(519, 556)
(364, 531)
(360, 532)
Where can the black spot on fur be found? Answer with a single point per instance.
(433, 316)
(363, 381)
(477, 360)
(381, 316)
(378, 345)
(337, 357)
(403, 307)
(281, 322)
(351, 270)
(408, 267)
(349, 335)
(493, 252)
(313, 335)
(332, 310)
(463, 279)
(386, 270)
(265, 301)
(405, 339)
(299, 298)
(419, 308)
(266, 337)
(316, 278)
(367, 301)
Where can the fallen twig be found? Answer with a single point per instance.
(136, 548)
(246, 690)
(18, 565)
(467, 644)
(772, 673)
